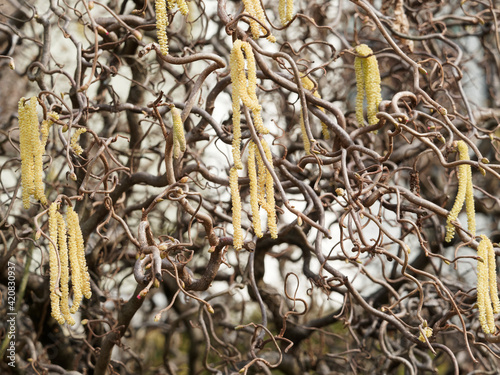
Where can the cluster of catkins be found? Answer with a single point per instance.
(487, 290)
(66, 241)
(261, 180)
(32, 141)
(162, 20)
(66, 248)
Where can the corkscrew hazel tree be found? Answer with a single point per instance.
(328, 284)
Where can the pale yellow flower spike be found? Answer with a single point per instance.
(483, 296)
(286, 11)
(309, 85)
(254, 194)
(469, 200)
(63, 256)
(46, 124)
(55, 300)
(305, 139)
(237, 65)
(487, 289)
(183, 8)
(254, 8)
(27, 121)
(270, 201)
(250, 99)
(38, 151)
(261, 180)
(236, 201)
(367, 80)
(492, 274)
(247, 88)
(83, 263)
(360, 87)
(77, 149)
(464, 189)
(246, 91)
(179, 137)
(372, 88)
(161, 25)
(76, 272)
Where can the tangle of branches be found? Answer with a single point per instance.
(323, 253)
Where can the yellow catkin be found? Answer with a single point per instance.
(270, 201)
(487, 290)
(27, 122)
(176, 149)
(161, 25)
(73, 248)
(254, 197)
(464, 189)
(77, 149)
(492, 275)
(38, 151)
(285, 11)
(309, 85)
(254, 8)
(87, 292)
(244, 89)
(236, 202)
(236, 133)
(372, 88)
(360, 87)
(237, 65)
(305, 138)
(178, 128)
(249, 97)
(261, 179)
(469, 196)
(63, 257)
(55, 300)
(46, 124)
(368, 82)
(183, 7)
(247, 86)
